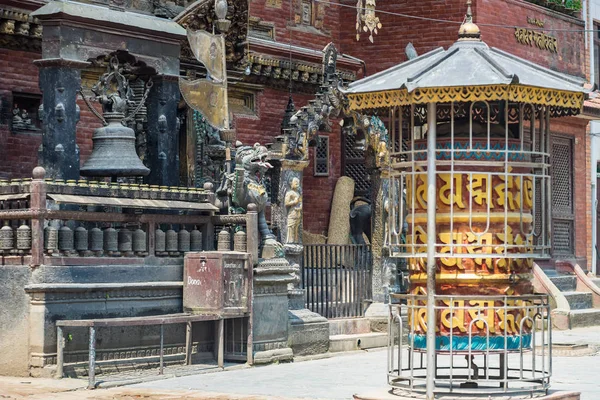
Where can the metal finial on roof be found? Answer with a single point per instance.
(468, 30)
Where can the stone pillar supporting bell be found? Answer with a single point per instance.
(59, 82)
(162, 133)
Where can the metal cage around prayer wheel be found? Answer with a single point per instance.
(463, 141)
(492, 161)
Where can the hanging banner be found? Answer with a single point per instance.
(210, 51)
(208, 98)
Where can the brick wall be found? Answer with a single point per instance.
(571, 56)
(18, 74)
(300, 35)
(388, 47)
(397, 31)
(19, 151)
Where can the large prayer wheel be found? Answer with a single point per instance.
(484, 222)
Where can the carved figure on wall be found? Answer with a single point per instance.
(293, 203)
(17, 121)
(21, 119)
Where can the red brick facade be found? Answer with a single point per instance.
(18, 74)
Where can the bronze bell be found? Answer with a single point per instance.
(160, 242)
(223, 243)
(114, 151)
(23, 238)
(96, 241)
(81, 240)
(172, 246)
(139, 242)
(111, 241)
(126, 242)
(6, 238)
(184, 239)
(239, 241)
(51, 239)
(195, 240)
(65, 239)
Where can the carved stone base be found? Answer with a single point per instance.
(270, 310)
(377, 313)
(308, 333)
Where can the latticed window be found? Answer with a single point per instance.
(563, 218)
(322, 156)
(353, 162)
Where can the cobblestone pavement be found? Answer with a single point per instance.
(330, 378)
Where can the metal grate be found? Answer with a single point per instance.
(562, 175)
(563, 218)
(322, 156)
(562, 234)
(354, 166)
(337, 279)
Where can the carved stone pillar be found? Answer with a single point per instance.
(163, 132)
(270, 310)
(59, 82)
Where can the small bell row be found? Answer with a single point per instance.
(95, 242)
(171, 243)
(239, 241)
(15, 241)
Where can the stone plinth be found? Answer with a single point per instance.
(308, 331)
(270, 309)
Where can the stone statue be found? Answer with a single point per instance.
(21, 119)
(17, 121)
(293, 202)
(360, 220)
(247, 186)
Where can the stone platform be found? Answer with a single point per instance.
(388, 394)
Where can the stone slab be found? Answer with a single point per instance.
(361, 341)
(349, 326)
(308, 332)
(387, 394)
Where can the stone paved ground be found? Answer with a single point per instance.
(331, 378)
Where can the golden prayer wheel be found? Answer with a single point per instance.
(484, 222)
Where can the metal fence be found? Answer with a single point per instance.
(337, 279)
(489, 344)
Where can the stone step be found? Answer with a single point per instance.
(579, 300)
(362, 341)
(564, 283)
(349, 326)
(586, 317)
(596, 281)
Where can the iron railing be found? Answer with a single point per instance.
(337, 279)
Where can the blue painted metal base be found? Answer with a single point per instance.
(478, 343)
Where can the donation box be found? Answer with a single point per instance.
(217, 282)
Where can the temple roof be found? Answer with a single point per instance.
(466, 63)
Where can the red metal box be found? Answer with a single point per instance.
(217, 282)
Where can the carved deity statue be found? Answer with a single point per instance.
(293, 203)
(21, 119)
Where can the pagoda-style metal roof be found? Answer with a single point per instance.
(468, 71)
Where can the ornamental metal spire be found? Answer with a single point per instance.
(468, 30)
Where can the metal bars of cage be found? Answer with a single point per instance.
(509, 176)
(518, 366)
